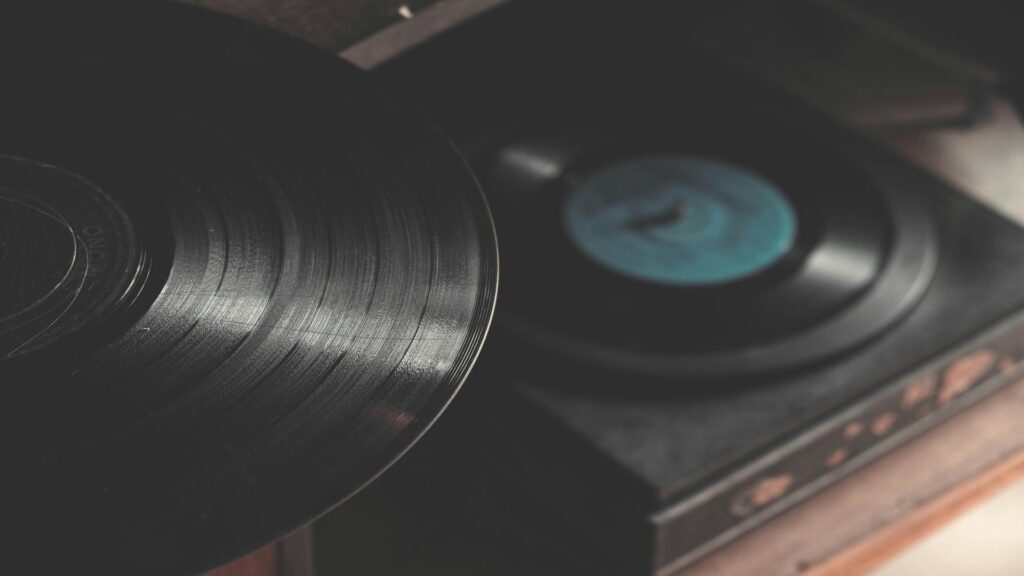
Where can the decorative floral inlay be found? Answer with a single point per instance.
(964, 373)
(837, 457)
(919, 390)
(763, 493)
(852, 430)
(881, 425)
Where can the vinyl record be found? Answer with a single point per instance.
(700, 252)
(236, 283)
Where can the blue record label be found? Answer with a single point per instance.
(681, 221)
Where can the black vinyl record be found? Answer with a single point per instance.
(236, 283)
(696, 253)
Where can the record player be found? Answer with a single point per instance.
(240, 281)
(637, 405)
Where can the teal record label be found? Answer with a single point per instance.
(681, 221)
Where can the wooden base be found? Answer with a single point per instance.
(877, 512)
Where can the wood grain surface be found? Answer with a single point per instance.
(330, 24)
(365, 32)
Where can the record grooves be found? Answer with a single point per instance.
(245, 283)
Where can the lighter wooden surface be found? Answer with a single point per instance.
(886, 543)
(879, 510)
(365, 32)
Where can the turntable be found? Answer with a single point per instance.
(673, 365)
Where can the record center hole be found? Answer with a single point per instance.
(673, 214)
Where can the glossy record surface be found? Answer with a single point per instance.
(253, 284)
